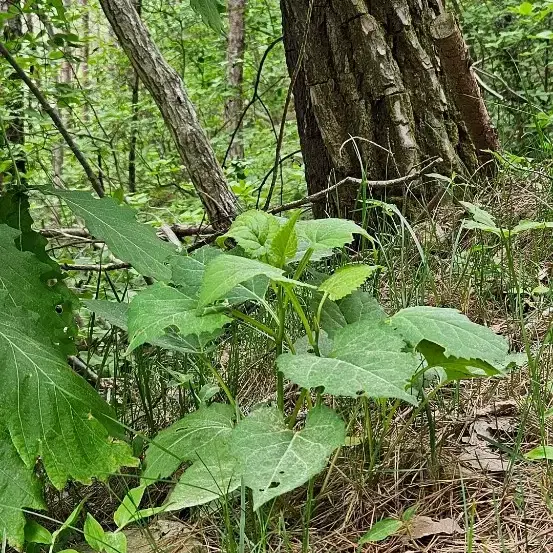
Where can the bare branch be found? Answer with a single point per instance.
(96, 184)
(96, 268)
(351, 180)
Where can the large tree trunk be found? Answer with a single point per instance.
(167, 89)
(235, 72)
(395, 75)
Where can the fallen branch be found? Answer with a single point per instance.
(352, 180)
(96, 268)
(180, 231)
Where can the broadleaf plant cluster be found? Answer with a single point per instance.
(348, 347)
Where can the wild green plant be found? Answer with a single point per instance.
(350, 348)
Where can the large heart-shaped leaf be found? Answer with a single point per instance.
(193, 438)
(454, 332)
(129, 240)
(322, 234)
(36, 286)
(368, 359)
(225, 272)
(188, 273)
(159, 307)
(254, 232)
(20, 488)
(274, 459)
(215, 475)
(116, 314)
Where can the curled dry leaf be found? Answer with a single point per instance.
(493, 424)
(421, 527)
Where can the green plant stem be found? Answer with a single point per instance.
(220, 381)
(254, 323)
(297, 407)
(303, 263)
(281, 311)
(307, 518)
(338, 451)
(303, 317)
(317, 319)
(431, 434)
(416, 412)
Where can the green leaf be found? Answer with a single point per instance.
(276, 460)
(253, 231)
(117, 314)
(36, 533)
(382, 530)
(115, 542)
(539, 453)
(21, 489)
(127, 239)
(456, 368)
(368, 359)
(284, 245)
(209, 12)
(70, 521)
(322, 234)
(526, 8)
(159, 307)
(386, 375)
(52, 412)
(68, 551)
(453, 331)
(126, 512)
(15, 212)
(480, 216)
(208, 479)
(345, 280)
(188, 270)
(227, 271)
(190, 439)
(188, 273)
(332, 318)
(524, 226)
(94, 533)
(360, 306)
(33, 285)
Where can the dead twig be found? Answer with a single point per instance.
(96, 268)
(352, 180)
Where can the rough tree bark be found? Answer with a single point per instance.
(14, 128)
(395, 74)
(167, 89)
(235, 72)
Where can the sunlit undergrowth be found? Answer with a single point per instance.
(457, 454)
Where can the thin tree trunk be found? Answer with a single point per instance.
(134, 121)
(65, 77)
(235, 73)
(167, 89)
(85, 80)
(372, 71)
(14, 129)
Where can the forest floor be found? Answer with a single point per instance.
(473, 491)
